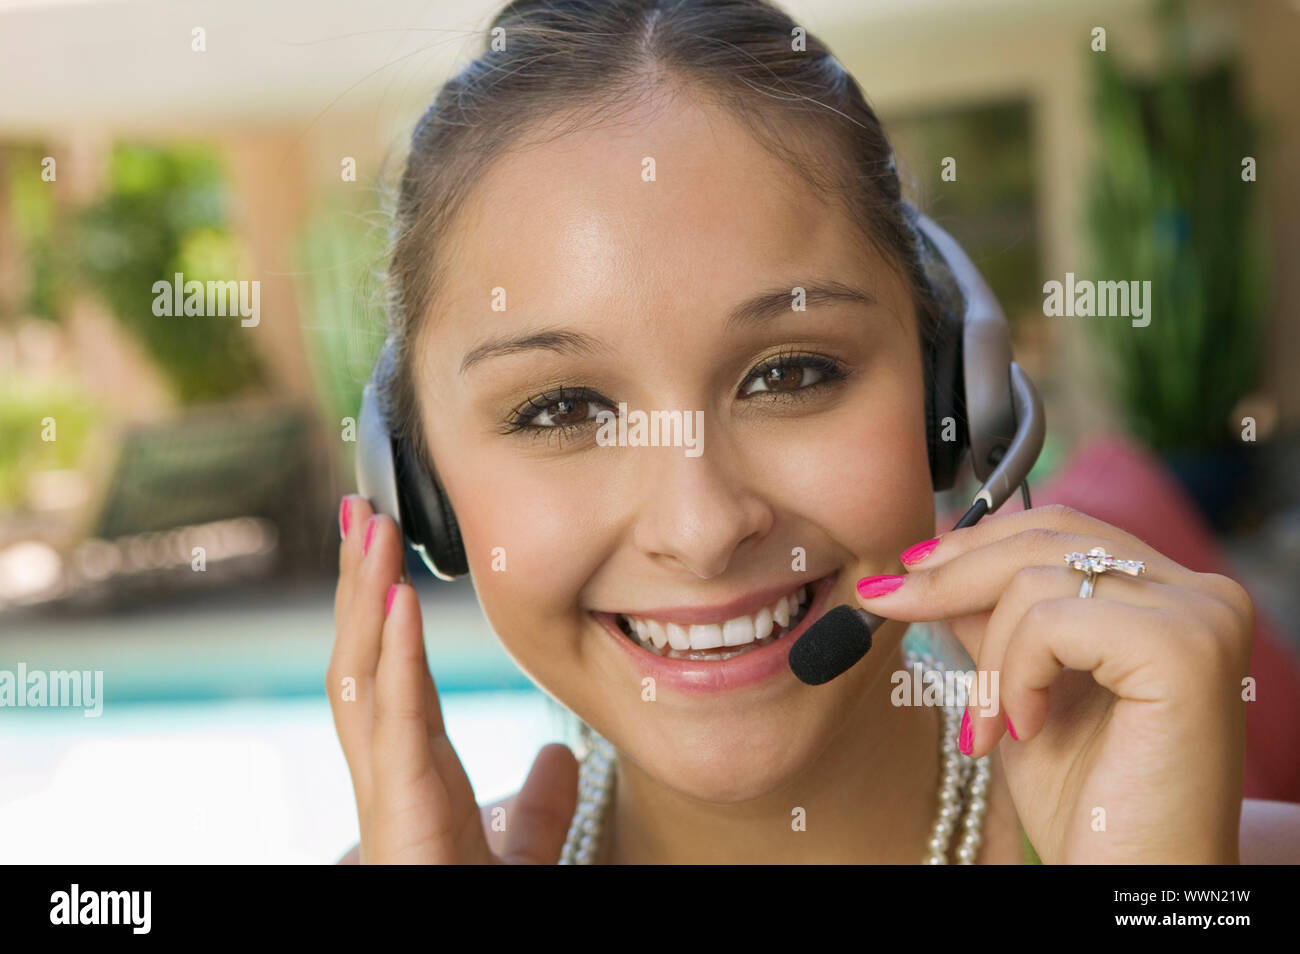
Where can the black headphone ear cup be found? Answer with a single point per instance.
(945, 406)
(397, 483)
(451, 547)
(427, 517)
(946, 434)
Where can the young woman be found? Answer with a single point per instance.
(612, 206)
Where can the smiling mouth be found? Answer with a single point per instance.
(714, 642)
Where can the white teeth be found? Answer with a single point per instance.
(673, 638)
(678, 637)
(738, 631)
(657, 634)
(708, 636)
(782, 612)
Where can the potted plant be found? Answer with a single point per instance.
(1169, 203)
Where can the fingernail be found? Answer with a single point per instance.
(967, 735)
(345, 517)
(370, 532)
(388, 603)
(918, 552)
(872, 586)
(1011, 728)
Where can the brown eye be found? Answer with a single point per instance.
(783, 379)
(567, 413)
(560, 410)
(788, 373)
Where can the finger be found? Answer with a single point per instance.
(1032, 585)
(350, 672)
(382, 561)
(402, 774)
(408, 756)
(1044, 521)
(400, 734)
(378, 566)
(1131, 650)
(354, 512)
(372, 561)
(973, 582)
(543, 810)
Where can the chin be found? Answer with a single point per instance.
(728, 764)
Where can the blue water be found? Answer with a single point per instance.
(216, 743)
(233, 781)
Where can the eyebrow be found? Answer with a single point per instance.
(756, 310)
(559, 340)
(777, 301)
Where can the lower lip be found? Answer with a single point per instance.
(739, 672)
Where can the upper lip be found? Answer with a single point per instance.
(746, 605)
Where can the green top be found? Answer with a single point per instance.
(1031, 856)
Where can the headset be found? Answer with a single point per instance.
(979, 403)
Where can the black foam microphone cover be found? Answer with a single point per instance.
(833, 644)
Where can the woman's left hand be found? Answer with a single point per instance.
(1132, 754)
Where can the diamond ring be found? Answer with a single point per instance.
(1097, 561)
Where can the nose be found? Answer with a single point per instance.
(698, 511)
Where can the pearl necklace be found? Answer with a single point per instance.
(963, 784)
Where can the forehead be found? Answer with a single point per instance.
(667, 204)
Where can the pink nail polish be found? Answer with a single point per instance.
(1011, 728)
(918, 552)
(370, 533)
(967, 738)
(345, 517)
(388, 603)
(872, 586)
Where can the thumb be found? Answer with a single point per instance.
(539, 819)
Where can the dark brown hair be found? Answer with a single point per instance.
(576, 60)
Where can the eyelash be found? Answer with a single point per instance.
(832, 372)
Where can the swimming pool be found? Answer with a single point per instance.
(222, 781)
(216, 743)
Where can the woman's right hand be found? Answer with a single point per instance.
(414, 800)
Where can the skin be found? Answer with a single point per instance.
(650, 271)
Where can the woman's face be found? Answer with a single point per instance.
(571, 268)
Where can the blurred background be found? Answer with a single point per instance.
(169, 488)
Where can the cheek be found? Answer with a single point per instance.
(512, 527)
(862, 474)
(888, 496)
(527, 535)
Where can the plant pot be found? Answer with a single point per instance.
(1214, 477)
